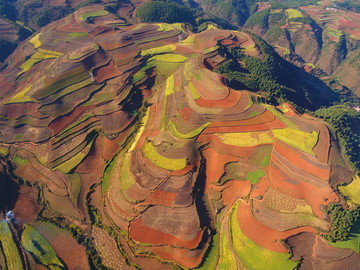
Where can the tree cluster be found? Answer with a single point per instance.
(168, 12)
(342, 221)
(345, 122)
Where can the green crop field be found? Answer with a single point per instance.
(9, 248)
(40, 248)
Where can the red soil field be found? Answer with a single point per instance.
(314, 195)
(260, 188)
(66, 247)
(230, 101)
(234, 189)
(27, 208)
(63, 121)
(161, 197)
(245, 128)
(302, 161)
(215, 163)
(265, 117)
(219, 146)
(141, 233)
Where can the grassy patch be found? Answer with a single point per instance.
(126, 176)
(40, 248)
(211, 256)
(352, 190)
(254, 256)
(353, 241)
(11, 252)
(106, 175)
(304, 141)
(246, 139)
(74, 187)
(4, 150)
(293, 13)
(255, 176)
(160, 161)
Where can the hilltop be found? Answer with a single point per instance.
(142, 146)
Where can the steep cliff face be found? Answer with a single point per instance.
(130, 149)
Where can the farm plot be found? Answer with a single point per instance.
(9, 248)
(40, 248)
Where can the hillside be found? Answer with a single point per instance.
(142, 146)
(324, 34)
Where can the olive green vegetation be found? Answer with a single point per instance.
(235, 11)
(345, 122)
(258, 19)
(169, 12)
(342, 222)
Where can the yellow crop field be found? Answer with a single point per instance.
(227, 258)
(20, 97)
(194, 93)
(126, 177)
(188, 41)
(169, 57)
(171, 164)
(144, 121)
(188, 135)
(165, 27)
(211, 49)
(352, 190)
(40, 248)
(246, 139)
(304, 141)
(36, 41)
(38, 56)
(293, 13)
(13, 259)
(161, 49)
(254, 256)
(170, 85)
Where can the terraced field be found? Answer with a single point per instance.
(138, 147)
